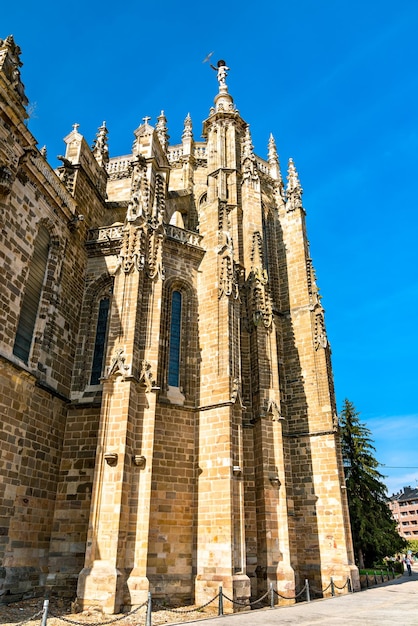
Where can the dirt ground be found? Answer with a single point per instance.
(29, 612)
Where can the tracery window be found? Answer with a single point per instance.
(100, 341)
(174, 341)
(179, 371)
(32, 296)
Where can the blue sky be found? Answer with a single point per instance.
(336, 82)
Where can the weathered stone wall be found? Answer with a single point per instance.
(31, 432)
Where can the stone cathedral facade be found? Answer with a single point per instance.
(168, 421)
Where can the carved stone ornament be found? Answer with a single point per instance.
(138, 207)
(100, 146)
(248, 161)
(260, 302)
(320, 334)
(161, 130)
(10, 65)
(294, 190)
(118, 367)
(146, 376)
(139, 460)
(236, 392)
(132, 251)
(272, 410)
(227, 275)
(6, 180)
(111, 458)
(155, 269)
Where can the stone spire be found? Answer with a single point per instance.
(161, 130)
(100, 148)
(10, 65)
(294, 190)
(188, 128)
(273, 160)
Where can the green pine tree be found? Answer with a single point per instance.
(373, 528)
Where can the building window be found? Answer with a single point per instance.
(100, 342)
(175, 336)
(32, 296)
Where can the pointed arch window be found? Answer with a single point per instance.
(100, 341)
(32, 296)
(175, 340)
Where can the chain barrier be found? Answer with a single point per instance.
(221, 595)
(29, 619)
(110, 621)
(341, 588)
(333, 587)
(295, 597)
(180, 611)
(246, 603)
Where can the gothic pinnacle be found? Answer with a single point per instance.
(161, 129)
(273, 160)
(294, 190)
(247, 145)
(188, 128)
(293, 184)
(100, 148)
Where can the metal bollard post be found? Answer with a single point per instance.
(45, 612)
(375, 578)
(149, 610)
(271, 596)
(332, 587)
(349, 585)
(308, 595)
(367, 581)
(221, 602)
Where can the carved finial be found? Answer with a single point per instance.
(100, 148)
(10, 65)
(161, 129)
(273, 159)
(294, 190)
(146, 119)
(249, 165)
(188, 128)
(43, 152)
(75, 127)
(247, 145)
(293, 177)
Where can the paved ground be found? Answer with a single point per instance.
(393, 604)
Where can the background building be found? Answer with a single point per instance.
(168, 415)
(404, 507)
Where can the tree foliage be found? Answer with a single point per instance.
(373, 528)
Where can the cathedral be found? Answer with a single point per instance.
(168, 421)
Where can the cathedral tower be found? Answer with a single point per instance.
(166, 385)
